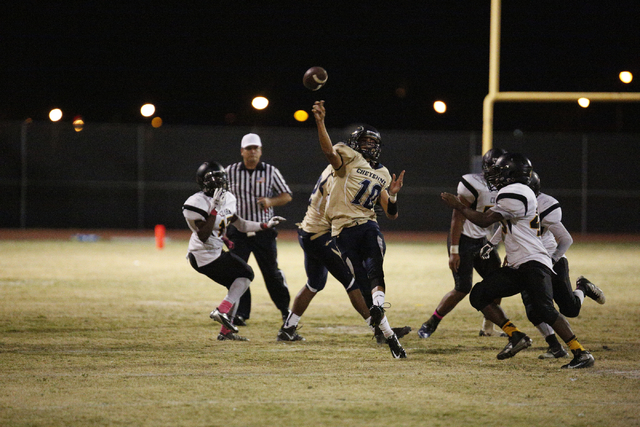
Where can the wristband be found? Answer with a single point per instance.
(455, 249)
(393, 198)
(263, 226)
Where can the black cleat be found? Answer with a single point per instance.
(223, 319)
(231, 336)
(400, 332)
(581, 359)
(396, 348)
(377, 314)
(289, 334)
(590, 290)
(518, 341)
(427, 329)
(554, 353)
(239, 321)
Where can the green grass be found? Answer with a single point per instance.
(117, 333)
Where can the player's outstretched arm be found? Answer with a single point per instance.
(330, 153)
(481, 219)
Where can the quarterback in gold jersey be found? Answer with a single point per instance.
(359, 183)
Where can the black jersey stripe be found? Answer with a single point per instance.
(549, 210)
(196, 210)
(473, 191)
(515, 196)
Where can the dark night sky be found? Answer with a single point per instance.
(198, 63)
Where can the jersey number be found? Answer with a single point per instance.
(534, 224)
(370, 200)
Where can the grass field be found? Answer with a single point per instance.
(116, 332)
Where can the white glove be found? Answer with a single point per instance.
(275, 221)
(218, 198)
(485, 251)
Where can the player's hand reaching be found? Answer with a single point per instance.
(451, 201)
(318, 111)
(275, 221)
(218, 199)
(396, 183)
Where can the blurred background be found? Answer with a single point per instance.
(80, 151)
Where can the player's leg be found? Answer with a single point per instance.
(569, 301)
(363, 247)
(486, 267)
(265, 252)
(233, 273)
(462, 280)
(555, 349)
(241, 247)
(537, 280)
(502, 283)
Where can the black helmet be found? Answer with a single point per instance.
(489, 159)
(508, 169)
(534, 183)
(370, 154)
(210, 176)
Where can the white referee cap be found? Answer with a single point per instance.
(250, 139)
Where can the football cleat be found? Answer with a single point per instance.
(427, 329)
(400, 332)
(231, 337)
(518, 341)
(239, 321)
(554, 353)
(396, 348)
(223, 319)
(590, 290)
(581, 359)
(377, 314)
(289, 334)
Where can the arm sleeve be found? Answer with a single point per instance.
(563, 238)
(245, 226)
(279, 184)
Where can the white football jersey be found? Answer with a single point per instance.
(473, 188)
(315, 220)
(198, 208)
(550, 213)
(355, 190)
(520, 225)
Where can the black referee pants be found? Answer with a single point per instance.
(264, 249)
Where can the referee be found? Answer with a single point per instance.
(259, 187)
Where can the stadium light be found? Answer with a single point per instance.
(147, 110)
(78, 123)
(626, 77)
(440, 107)
(55, 114)
(301, 115)
(260, 102)
(584, 102)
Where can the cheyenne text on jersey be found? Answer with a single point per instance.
(370, 174)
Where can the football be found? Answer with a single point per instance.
(315, 78)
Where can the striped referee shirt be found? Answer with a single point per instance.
(250, 185)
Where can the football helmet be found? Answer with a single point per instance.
(489, 159)
(370, 153)
(210, 176)
(534, 183)
(509, 169)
